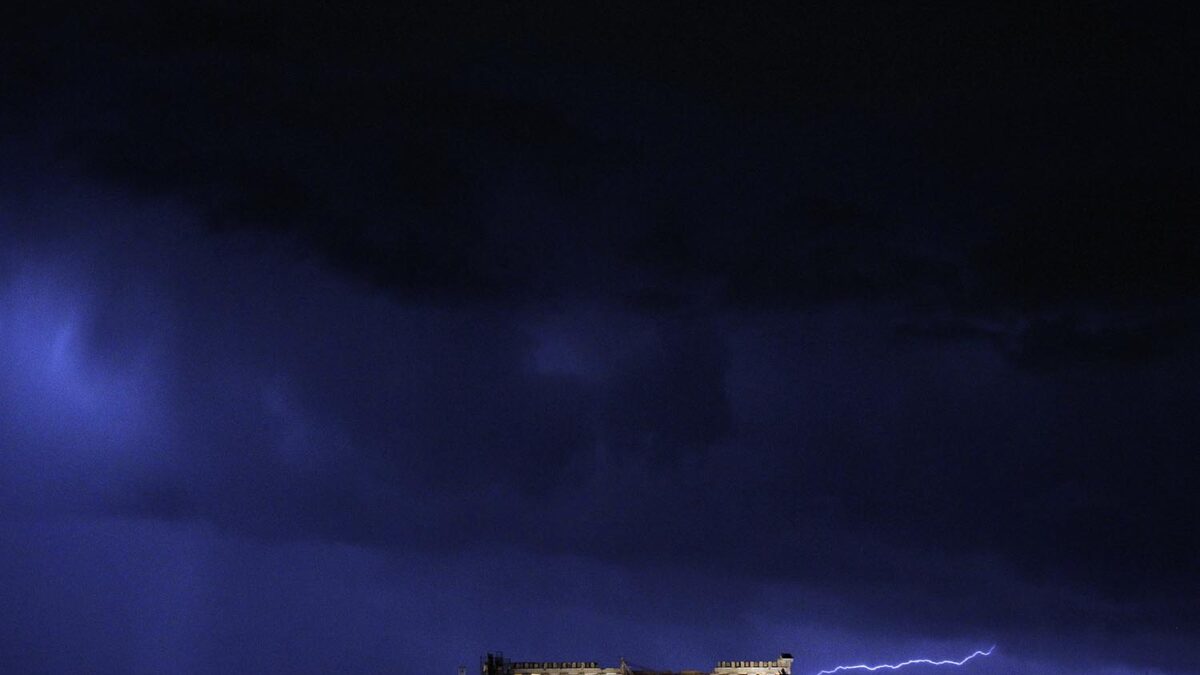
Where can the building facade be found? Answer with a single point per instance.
(496, 664)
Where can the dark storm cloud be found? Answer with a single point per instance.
(1000, 172)
(670, 397)
(247, 388)
(888, 311)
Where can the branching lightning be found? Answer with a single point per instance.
(898, 666)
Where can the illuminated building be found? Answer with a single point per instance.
(496, 664)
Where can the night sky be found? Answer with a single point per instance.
(369, 340)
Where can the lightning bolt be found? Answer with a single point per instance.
(898, 666)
